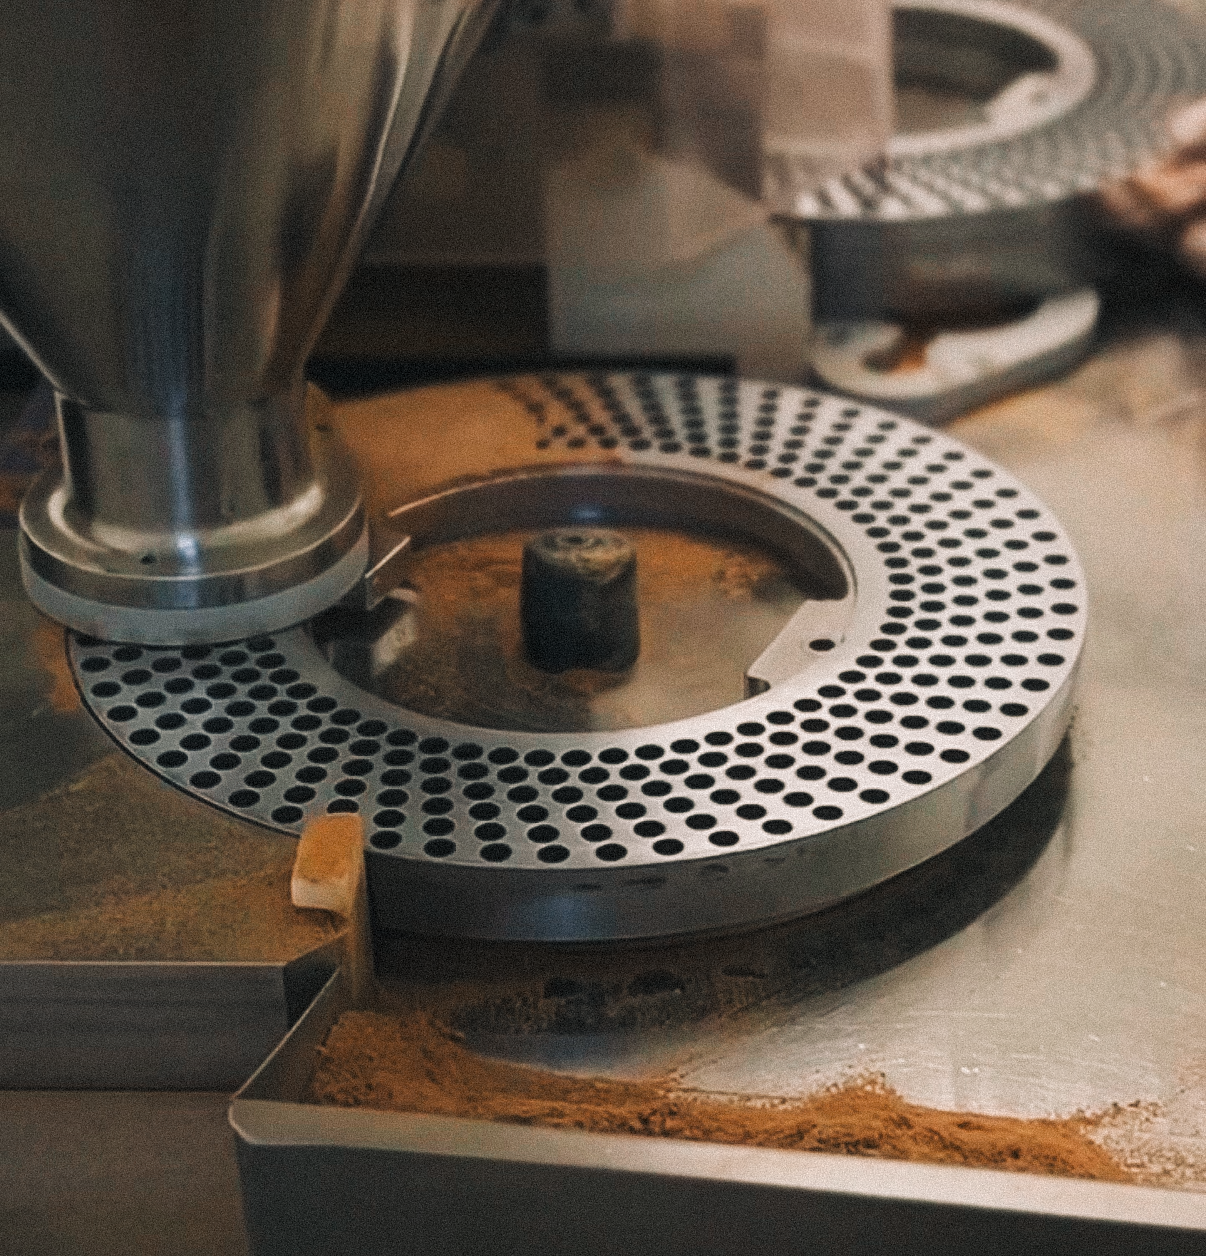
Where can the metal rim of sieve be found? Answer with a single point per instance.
(948, 690)
(1120, 66)
(968, 221)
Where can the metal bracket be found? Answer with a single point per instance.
(388, 550)
(962, 369)
(815, 629)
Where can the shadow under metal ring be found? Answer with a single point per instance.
(958, 612)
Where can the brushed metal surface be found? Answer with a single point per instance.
(156, 1025)
(152, 1026)
(312, 1176)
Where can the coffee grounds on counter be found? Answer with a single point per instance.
(411, 1063)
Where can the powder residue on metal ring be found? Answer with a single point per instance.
(708, 607)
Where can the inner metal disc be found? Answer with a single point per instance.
(451, 645)
(942, 688)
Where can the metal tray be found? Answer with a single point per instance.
(332, 1180)
(109, 1025)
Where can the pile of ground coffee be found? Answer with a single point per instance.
(411, 1063)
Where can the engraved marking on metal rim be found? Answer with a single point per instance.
(947, 687)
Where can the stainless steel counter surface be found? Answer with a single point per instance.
(1062, 965)
(1050, 963)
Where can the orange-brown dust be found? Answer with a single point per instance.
(411, 1063)
(47, 641)
(708, 607)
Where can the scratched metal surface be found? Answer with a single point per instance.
(1084, 986)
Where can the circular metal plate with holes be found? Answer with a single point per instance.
(993, 210)
(946, 688)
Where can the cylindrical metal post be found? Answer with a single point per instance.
(578, 601)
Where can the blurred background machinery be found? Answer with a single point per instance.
(755, 192)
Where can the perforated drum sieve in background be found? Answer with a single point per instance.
(993, 203)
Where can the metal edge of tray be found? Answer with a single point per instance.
(331, 1180)
(127, 1025)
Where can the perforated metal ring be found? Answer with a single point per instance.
(987, 214)
(949, 688)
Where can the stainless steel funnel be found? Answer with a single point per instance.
(184, 187)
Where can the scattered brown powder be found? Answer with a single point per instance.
(229, 920)
(413, 1064)
(708, 607)
(51, 652)
(419, 440)
(117, 865)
